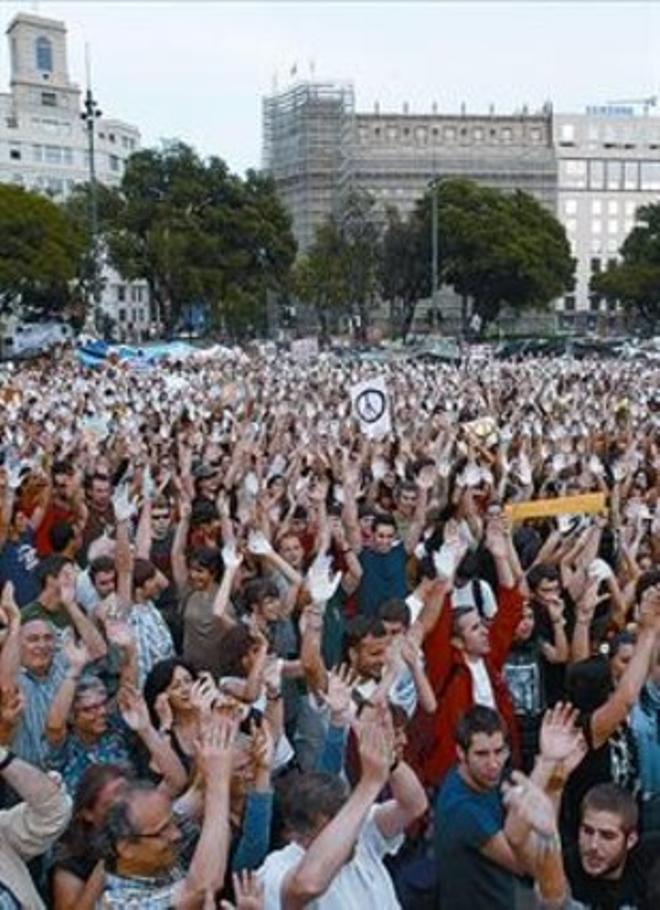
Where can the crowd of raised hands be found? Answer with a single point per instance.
(253, 657)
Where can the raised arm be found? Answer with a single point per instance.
(334, 845)
(178, 555)
(60, 709)
(607, 718)
(208, 865)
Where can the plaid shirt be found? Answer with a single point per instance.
(140, 893)
(72, 758)
(152, 638)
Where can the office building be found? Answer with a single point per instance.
(609, 166)
(43, 144)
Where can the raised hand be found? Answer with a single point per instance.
(321, 584)
(12, 704)
(9, 606)
(133, 708)
(164, 713)
(230, 557)
(119, 633)
(215, 747)
(258, 544)
(338, 697)
(76, 654)
(496, 538)
(560, 739)
(248, 891)
(124, 507)
(531, 806)
(376, 749)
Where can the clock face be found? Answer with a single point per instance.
(370, 405)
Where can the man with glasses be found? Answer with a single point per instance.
(140, 837)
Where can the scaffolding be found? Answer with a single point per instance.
(304, 141)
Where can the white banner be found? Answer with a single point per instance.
(371, 405)
(303, 348)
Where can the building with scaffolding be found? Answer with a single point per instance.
(317, 148)
(305, 129)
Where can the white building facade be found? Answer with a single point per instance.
(44, 148)
(608, 166)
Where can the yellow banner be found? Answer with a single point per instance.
(584, 504)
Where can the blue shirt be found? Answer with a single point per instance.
(465, 820)
(384, 578)
(18, 562)
(644, 722)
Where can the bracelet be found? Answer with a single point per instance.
(7, 760)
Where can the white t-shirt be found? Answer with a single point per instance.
(482, 689)
(464, 597)
(362, 882)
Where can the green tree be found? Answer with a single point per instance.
(404, 267)
(320, 278)
(39, 251)
(635, 280)
(198, 233)
(361, 237)
(499, 249)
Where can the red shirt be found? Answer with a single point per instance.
(432, 749)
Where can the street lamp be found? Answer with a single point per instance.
(89, 115)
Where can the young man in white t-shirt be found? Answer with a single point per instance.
(335, 858)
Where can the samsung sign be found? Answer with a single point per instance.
(610, 110)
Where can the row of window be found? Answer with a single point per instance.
(421, 134)
(596, 304)
(614, 207)
(614, 226)
(628, 134)
(595, 174)
(58, 154)
(135, 315)
(136, 292)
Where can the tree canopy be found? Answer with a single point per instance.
(635, 280)
(39, 250)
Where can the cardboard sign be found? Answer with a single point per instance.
(584, 504)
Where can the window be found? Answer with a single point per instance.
(111, 137)
(53, 154)
(631, 175)
(596, 245)
(478, 134)
(612, 245)
(597, 175)
(594, 303)
(18, 179)
(37, 152)
(571, 225)
(507, 134)
(611, 262)
(597, 207)
(450, 133)
(67, 156)
(49, 99)
(392, 133)
(121, 293)
(567, 132)
(612, 226)
(44, 54)
(628, 226)
(114, 162)
(595, 265)
(15, 151)
(535, 135)
(631, 207)
(55, 186)
(651, 175)
(575, 173)
(569, 303)
(596, 226)
(121, 315)
(570, 206)
(612, 207)
(614, 175)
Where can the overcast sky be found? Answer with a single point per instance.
(197, 70)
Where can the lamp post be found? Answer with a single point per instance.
(434, 248)
(89, 115)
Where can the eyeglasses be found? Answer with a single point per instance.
(92, 709)
(167, 825)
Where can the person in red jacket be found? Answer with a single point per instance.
(464, 660)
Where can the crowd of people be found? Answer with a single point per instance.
(253, 657)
